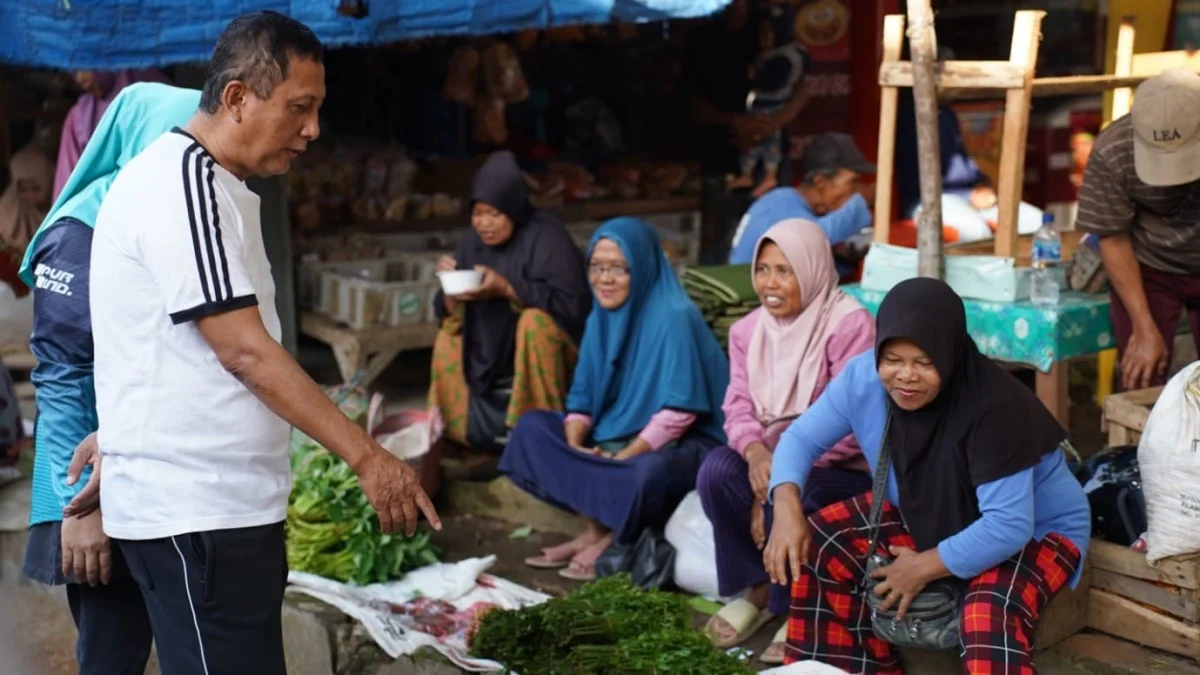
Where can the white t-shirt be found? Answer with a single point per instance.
(186, 446)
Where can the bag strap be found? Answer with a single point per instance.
(879, 493)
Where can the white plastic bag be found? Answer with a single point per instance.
(691, 534)
(1169, 458)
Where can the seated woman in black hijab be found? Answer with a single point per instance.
(509, 346)
(977, 490)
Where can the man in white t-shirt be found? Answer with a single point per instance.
(194, 392)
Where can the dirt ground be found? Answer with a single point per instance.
(36, 634)
(471, 536)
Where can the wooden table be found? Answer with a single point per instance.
(370, 350)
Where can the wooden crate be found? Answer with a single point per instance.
(1125, 415)
(1157, 606)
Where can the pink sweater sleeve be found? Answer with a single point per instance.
(666, 426)
(578, 417)
(741, 424)
(854, 334)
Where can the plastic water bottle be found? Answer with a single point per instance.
(1046, 256)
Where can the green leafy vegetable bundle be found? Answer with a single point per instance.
(608, 626)
(333, 531)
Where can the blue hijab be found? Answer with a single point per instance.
(651, 353)
(136, 118)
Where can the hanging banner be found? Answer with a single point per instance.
(823, 28)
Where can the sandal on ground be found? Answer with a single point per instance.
(780, 639)
(743, 617)
(578, 572)
(543, 561)
(583, 565)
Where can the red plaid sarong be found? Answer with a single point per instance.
(831, 623)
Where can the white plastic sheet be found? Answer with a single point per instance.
(462, 584)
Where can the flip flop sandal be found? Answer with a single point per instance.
(743, 617)
(585, 575)
(779, 639)
(541, 562)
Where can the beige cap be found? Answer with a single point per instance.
(1166, 128)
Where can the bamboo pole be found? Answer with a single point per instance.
(893, 45)
(1122, 98)
(1027, 35)
(922, 43)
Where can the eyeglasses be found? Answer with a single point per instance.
(617, 272)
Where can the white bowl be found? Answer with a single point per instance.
(460, 281)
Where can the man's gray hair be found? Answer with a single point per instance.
(256, 49)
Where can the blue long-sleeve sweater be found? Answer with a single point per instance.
(1025, 506)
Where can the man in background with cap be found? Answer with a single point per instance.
(1141, 196)
(828, 196)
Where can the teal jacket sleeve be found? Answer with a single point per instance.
(62, 345)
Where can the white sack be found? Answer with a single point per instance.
(1169, 458)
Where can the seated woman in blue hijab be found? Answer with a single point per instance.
(643, 410)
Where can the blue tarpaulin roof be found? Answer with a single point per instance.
(115, 34)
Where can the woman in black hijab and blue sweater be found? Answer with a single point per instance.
(978, 490)
(510, 345)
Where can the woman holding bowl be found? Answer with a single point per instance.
(509, 344)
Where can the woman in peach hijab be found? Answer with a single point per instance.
(781, 357)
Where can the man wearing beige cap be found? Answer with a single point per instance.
(1141, 196)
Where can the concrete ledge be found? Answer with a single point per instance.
(503, 500)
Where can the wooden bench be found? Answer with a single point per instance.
(370, 350)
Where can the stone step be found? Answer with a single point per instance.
(500, 499)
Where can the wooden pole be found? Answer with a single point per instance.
(885, 161)
(922, 43)
(1027, 35)
(1122, 98)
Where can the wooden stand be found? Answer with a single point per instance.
(1125, 415)
(1157, 607)
(369, 351)
(1015, 76)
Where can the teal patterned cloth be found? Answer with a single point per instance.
(1022, 332)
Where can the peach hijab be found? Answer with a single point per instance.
(785, 358)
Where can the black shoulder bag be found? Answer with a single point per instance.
(934, 617)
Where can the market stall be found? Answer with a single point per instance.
(1057, 330)
(370, 218)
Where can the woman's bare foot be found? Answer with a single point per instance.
(558, 556)
(583, 566)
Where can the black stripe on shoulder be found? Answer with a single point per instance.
(216, 222)
(207, 207)
(192, 156)
(211, 308)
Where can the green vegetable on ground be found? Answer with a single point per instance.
(333, 531)
(607, 626)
